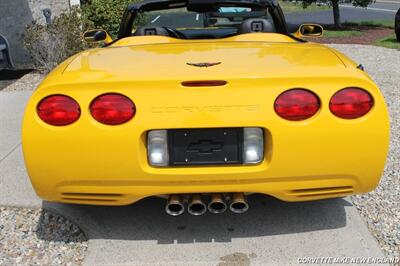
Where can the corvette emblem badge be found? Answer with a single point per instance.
(206, 64)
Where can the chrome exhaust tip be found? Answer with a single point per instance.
(217, 204)
(238, 203)
(174, 205)
(196, 205)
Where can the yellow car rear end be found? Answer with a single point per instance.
(320, 156)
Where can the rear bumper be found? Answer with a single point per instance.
(90, 163)
(124, 193)
(302, 164)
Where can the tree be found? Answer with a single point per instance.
(335, 7)
(107, 14)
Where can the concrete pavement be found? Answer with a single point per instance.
(15, 189)
(10, 120)
(271, 232)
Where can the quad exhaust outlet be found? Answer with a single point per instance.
(238, 203)
(175, 205)
(196, 206)
(217, 204)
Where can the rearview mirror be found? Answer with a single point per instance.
(310, 30)
(95, 36)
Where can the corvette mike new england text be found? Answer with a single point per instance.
(348, 260)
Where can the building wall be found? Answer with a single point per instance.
(16, 14)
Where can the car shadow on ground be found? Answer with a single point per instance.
(147, 220)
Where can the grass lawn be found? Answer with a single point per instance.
(342, 33)
(386, 23)
(291, 7)
(389, 42)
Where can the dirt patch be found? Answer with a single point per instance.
(369, 36)
(236, 259)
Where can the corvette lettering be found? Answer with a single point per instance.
(201, 109)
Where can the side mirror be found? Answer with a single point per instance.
(95, 36)
(310, 30)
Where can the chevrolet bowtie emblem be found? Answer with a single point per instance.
(205, 147)
(206, 64)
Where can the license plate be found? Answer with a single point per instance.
(205, 146)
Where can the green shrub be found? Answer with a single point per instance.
(50, 44)
(107, 14)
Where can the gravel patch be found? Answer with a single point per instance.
(39, 237)
(381, 208)
(28, 82)
(6, 83)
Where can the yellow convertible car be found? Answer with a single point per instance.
(204, 116)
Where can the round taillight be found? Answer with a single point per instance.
(296, 104)
(351, 103)
(58, 110)
(112, 109)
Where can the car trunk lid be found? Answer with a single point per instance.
(208, 60)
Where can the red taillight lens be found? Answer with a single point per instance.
(58, 110)
(112, 109)
(296, 104)
(351, 103)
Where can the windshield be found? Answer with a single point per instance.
(180, 18)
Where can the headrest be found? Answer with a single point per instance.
(149, 30)
(256, 25)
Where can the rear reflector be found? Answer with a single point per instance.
(112, 109)
(58, 110)
(351, 103)
(204, 83)
(296, 104)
